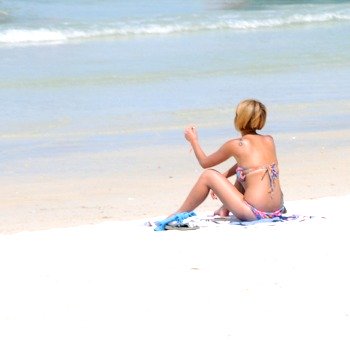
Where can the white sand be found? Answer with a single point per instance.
(120, 285)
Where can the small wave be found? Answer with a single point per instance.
(47, 36)
(22, 36)
(280, 22)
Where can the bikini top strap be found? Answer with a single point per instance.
(273, 174)
(271, 170)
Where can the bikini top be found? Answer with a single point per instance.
(271, 170)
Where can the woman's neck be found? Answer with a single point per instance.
(248, 132)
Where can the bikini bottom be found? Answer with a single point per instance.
(259, 214)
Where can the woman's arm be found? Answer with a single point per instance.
(207, 161)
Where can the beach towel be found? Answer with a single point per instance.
(281, 218)
(190, 220)
(232, 220)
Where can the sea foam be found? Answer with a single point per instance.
(164, 26)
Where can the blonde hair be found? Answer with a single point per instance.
(250, 115)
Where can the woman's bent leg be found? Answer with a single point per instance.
(229, 195)
(198, 193)
(223, 211)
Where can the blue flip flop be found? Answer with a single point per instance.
(177, 218)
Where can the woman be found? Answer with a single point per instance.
(256, 193)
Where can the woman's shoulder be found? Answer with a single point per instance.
(259, 138)
(233, 142)
(233, 146)
(244, 143)
(268, 138)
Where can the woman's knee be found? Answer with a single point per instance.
(208, 174)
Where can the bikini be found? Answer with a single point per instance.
(272, 172)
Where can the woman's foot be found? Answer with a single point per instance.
(222, 212)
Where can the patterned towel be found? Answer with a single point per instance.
(191, 219)
(232, 220)
(269, 220)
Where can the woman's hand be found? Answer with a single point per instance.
(191, 134)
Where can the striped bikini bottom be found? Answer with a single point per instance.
(259, 214)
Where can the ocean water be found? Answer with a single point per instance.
(87, 76)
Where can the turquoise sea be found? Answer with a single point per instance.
(93, 76)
